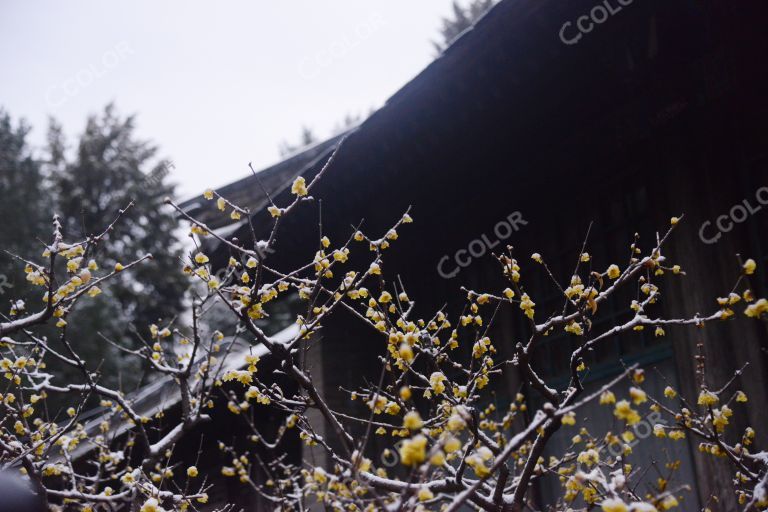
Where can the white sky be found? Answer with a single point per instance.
(214, 84)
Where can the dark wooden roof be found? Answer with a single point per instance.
(509, 118)
(249, 193)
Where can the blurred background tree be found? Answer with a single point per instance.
(306, 138)
(111, 168)
(107, 168)
(24, 211)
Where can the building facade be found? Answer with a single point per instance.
(547, 120)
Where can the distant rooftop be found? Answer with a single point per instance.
(250, 192)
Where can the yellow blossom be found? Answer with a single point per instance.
(438, 458)
(299, 186)
(607, 398)
(589, 457)
(378, 404)
(74, 264)
(676, 435)
(707, 398)
(625, 412)
(456, 423)
(392, 408)
(574, 328)
(669, 502)
(527, 305)
(757, 309)
(412, 421)
(451, 444)
(244, 377)
(425, 494)
(406, 352)
(614, 505)
(437, 382)
(638, 395)
(413, 451)
(151, 505)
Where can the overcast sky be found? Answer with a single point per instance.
(215, 85)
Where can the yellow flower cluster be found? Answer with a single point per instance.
(299, 187)
(437, 382)
(412, 421)
(527, 305)
(253, 392)
(624, 411)
(757, 309)
(413, 451)
(707, 398)
(477, 461)
(242, 376)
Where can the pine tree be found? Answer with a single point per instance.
(462, 19)
(307, 137)
(23, 210)
(110, 170)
